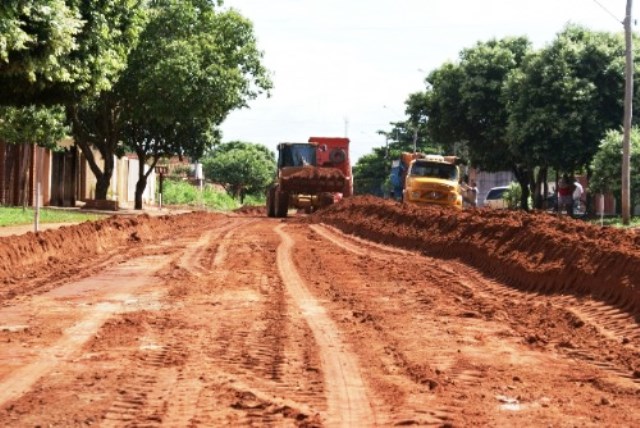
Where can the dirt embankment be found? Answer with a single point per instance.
(31, 254)
(536, 252)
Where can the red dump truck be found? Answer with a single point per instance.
(310, 175)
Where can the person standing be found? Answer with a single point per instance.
(472, 192)
(577, 196)
(565, 195)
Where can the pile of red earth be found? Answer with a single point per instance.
(532, 251)
(251, 210)
(27, 254)
(318, 173)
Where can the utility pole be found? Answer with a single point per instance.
(628, 95)
(415, 140)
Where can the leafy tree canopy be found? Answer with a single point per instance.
(241, 167)
(607, 165)
(192, 66)
(33, 125)
(57, 51)
(565, 97)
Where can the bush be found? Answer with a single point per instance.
(513, 196)
(184, 193)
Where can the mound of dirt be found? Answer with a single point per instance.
(46, 250)
(318, 173)
(532, 251)
(251, 210)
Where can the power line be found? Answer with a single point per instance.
(608, 11)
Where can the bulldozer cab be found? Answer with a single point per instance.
(296, 155)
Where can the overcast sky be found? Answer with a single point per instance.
(347, 66)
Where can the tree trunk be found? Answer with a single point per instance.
(523, 177)
(540, 188)
(86, 142)
(143, 176)
(103, 181)
(140, 186)
(142, 181)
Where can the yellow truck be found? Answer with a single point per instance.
(431, 180)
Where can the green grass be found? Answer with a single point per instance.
(617, 221)
(12, 216)
(183, 193)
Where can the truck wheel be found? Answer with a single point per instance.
(281, 203)
(271, 203)
(337, 156)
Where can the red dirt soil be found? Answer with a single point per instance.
(367, 313)
(316, 173)
(534, 252)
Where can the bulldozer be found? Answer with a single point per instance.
(310, 176)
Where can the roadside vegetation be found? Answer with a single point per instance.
(617, 222)
(120, 76)
(11, 216)
(504, 105)
(183, 193)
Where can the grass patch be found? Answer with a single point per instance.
(14, 216)
(617, 222)
(183, 193)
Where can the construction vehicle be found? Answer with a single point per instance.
(310, 175)
(427, 179)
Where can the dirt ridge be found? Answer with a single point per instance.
(531, 251)
(71, 243)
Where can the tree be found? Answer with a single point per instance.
(371, 172)
(242, 168)
(565, 98)
(467, 109)
(36, 40)
(193, 65)
(58, 51)
(606, 165)
(31, 126)
(96, 116)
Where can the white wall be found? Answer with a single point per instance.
(149, 195)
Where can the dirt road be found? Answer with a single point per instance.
(347, 318)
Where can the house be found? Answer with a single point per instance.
(64, 176)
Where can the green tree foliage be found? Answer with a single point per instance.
(467, 109)
(36, 38)
(57, 51)
(242, 168)
(40, 126)
(607, 165)
(371, 172)
(193, 65)
(565, 98)
(31, 126)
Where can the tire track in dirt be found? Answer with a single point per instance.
(606, 321)
(347, 394)
(271, 354)
(609, 321)
(252, 367)
(117, 299)
(168, 379)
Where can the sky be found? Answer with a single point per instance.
(345, 67)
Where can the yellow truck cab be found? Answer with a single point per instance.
(433, 180)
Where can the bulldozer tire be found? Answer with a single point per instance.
(281, 204)
(271, 203)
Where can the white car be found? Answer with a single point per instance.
(495, 198)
